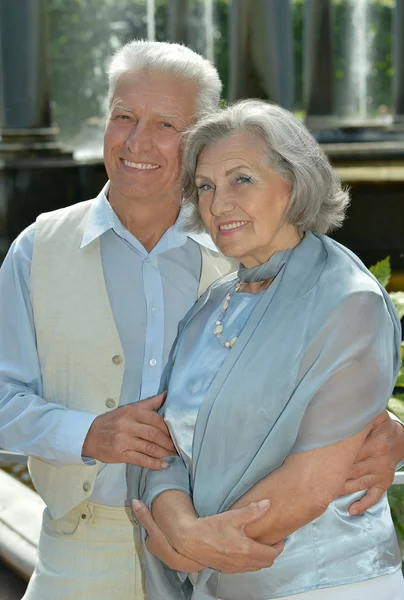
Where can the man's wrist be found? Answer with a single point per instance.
(398, 443)
(395, 418)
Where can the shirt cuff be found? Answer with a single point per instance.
(69, 438)
(395, 418)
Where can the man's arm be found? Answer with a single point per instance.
(377, 461)
(28, 424)
(32, 426)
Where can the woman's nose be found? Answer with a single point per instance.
(222, 203)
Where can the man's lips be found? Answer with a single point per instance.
(139, 165)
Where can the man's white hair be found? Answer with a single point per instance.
(171, 59)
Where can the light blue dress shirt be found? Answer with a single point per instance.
(149, 294)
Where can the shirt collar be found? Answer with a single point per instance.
(102, 217)
(99, 218)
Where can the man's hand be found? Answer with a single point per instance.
(158, 544)
(220, 541)
(133, 434)
(376, 463)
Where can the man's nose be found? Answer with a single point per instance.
(139, 138)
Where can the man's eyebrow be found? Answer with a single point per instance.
(122, 106)
(169, 115)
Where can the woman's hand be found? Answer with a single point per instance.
(218, 542)
(158, 544)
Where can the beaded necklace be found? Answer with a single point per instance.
(264, 272)
(218, 330)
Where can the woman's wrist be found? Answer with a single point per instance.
(175, 515)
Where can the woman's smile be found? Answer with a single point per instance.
(231, 227)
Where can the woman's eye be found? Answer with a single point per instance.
(204, 187)
(243, 179)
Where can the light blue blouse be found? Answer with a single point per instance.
(206, 353)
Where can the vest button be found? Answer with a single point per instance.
(86, 486)
(117, 359)
(110, 403)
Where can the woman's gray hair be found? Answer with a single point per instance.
(171, 59)
(317, 199)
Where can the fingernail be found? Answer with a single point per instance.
(263, 503)
(165, 465)
(136, 505)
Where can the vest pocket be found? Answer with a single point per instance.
(67, 526)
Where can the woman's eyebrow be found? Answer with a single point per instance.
(236, 168)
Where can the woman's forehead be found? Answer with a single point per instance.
(244, 147)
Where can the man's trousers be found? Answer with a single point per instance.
(90, 554)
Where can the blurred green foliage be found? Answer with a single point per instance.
(382, 272)
(84, 34)
(379, 35)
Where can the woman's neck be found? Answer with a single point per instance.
(255, 287)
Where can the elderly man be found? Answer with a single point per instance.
(91, 297)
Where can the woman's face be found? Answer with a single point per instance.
(243, 201)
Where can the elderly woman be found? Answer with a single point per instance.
(274, 378)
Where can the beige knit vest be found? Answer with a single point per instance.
(80, 353)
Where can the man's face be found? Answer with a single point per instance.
(142, 142)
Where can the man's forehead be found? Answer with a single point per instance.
(156, 108)
(166, 93)
(164, 104)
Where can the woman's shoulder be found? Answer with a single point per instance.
(346, 290)
(345, 275)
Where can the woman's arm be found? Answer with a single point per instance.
(219, 542)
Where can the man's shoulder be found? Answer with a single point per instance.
(67, 213)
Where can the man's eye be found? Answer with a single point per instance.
(166, 124)
(123, 117)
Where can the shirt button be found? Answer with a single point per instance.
(153, 362)
(154, 310)
(86, 486)
(110, 403)
(117, 359)
(148, 260)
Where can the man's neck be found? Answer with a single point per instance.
(147, 220)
